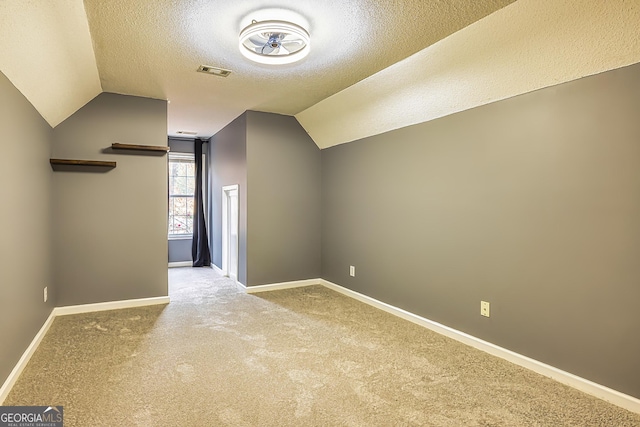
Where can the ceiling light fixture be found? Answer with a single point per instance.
(274, 42)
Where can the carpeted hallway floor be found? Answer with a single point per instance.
(301, 357)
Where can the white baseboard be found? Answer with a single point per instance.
(605, 393)
(181, 264)
(111, 305)
(63, 311)
(283, 285)
(22, 363)
(217, 269)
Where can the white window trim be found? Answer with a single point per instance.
(190, 157)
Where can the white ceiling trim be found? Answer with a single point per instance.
(528, 45)
(46, 52)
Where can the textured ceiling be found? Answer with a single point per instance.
(374, 65)
(525, 46)
(152, 48)
(46, 52)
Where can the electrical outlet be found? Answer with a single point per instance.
(484, 308)
(352, 271)
(46, 296)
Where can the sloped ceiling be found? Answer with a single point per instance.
(152, 48)
(360, 78)
(46, 52)
(526, 46)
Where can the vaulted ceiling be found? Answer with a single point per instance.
(374, 65)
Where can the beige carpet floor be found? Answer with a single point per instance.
(300, 357)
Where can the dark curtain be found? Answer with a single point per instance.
(200, 246)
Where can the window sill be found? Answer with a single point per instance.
(185, 237)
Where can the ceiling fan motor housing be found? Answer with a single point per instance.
(274, 42)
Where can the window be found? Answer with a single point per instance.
(182, 182)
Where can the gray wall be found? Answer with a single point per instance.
(180, 249)
(110, 234)
(277, 167)
(228, 166)
(531, 203)
(179, 145)
(284, 178)
(25, 251)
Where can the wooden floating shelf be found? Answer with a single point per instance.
(69, 162)
(134, 147)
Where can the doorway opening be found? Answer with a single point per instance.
(230, 220)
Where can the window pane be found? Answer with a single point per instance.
(180, 224)
(181, 169)
(179, 185)
(179, 206)
(173, 169)
(190, 206)
(171, 227)
(191, 169)
(181, 192)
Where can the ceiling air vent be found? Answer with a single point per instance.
(186, 132)
(220, 72)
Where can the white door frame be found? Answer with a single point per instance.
(226, 233)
